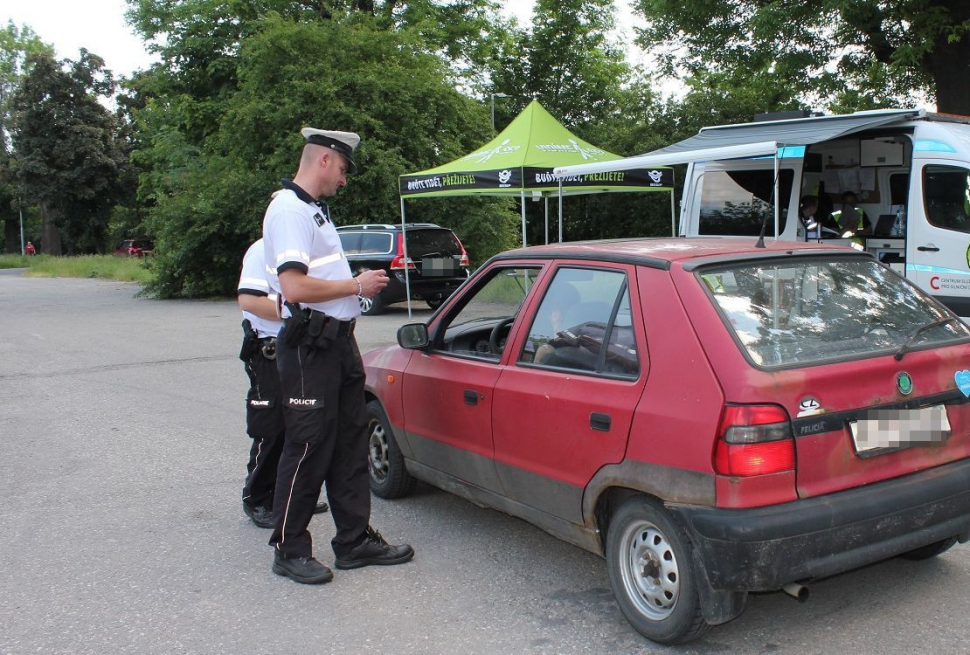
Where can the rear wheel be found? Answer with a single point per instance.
(434, 303)
(388, 476)
(931, 550)
(652, 573)
(371, 306)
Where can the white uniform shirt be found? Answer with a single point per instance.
(298, 234)
(253, 281)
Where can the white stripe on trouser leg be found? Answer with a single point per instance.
(259, 450)
(286, 512)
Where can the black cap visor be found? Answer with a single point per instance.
(339, 146)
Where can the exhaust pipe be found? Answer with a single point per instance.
(796, 591)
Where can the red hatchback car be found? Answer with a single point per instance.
(712, 417)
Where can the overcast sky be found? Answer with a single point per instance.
(69, 25)
(99, 26)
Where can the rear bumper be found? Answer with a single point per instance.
(763, 549)
(422, 288)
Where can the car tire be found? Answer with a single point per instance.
(371, 306)
(651, 571)
(388, 476)
(930, 550)
(435, 303)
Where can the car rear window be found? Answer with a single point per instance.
(807, 311)
(426, 243)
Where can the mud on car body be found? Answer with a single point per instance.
(712, 417)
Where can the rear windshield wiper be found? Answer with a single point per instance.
(923, 328)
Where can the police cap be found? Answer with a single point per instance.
(342, 142)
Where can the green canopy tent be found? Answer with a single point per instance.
(520, 162)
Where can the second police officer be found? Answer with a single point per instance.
(321, 373)
(264, 410)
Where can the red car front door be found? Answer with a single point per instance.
(448, 415)
(448, 391)
(555, 425)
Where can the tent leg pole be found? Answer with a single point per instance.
(547, 220)
(673, 215)
(407, 278)
(524, 242)
(560, 211)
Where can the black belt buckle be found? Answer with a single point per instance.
(269, 348)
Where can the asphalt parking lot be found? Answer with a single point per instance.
(123, 447)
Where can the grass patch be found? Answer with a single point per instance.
(13, 261)
(108, 267)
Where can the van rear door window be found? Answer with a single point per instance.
(736, 202)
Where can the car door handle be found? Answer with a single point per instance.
(471, 397)
(929, 248)
(600, 422)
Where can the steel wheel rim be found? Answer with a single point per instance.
(365, 303)
(378, 452)
(649, 570)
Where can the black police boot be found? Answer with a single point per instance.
(261, 516)
(374, 550)
(304, 570)
(321, 508)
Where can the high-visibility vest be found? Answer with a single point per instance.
(862, 223)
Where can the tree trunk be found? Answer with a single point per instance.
(949, 63)
(11, 235)
(51, 244)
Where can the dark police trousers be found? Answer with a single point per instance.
(326, 441)
(264, 424)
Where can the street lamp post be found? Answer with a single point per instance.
(495, 95)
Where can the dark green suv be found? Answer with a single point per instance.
(436, 263)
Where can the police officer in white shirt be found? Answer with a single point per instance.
(321, 372)
(264, 408)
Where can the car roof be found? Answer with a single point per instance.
(662, 252)
(384, 226)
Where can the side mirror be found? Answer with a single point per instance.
(413, 336)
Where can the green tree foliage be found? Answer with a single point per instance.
(572, 64)
(67, 158)
(16, 44)
(841, 54)
(567, 62)
(343, 74)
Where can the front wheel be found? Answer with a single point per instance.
(434, 303)
(388, 476)
(652, 573)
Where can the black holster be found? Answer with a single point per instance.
(308, 327)
(250, 343)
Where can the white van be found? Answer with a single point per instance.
(910, 172)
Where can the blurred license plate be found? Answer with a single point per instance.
(439, 266)
(891, 429)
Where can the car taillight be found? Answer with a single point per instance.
(399, 262)
(754, 440)
(464, 254)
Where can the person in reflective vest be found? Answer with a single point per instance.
(851, 219)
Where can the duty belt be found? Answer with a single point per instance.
(345, 328)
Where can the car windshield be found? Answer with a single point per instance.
(811, 310)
